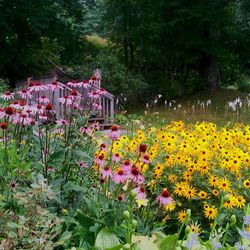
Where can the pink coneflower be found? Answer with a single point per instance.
(7, 96)
(43, 99)
(24, 119)
(143, 148)
(114, 133)
(54, 86)
(85, 84)
(62, 122)
(103, 147)
(43, 116)
(36, 87)
(15, 104)
(9, 111)
(97, 106)
(38, 109)
(74, 95)
(145, 159)
(94, 95)
(76, 106)
(25, 94)
(51, 169)
(116, 157)
(121, 197)
(33, 122)
(2, 113)
(141, 193)
(106, 172)
(82, 164)
(101, 91)
(49, 106)
(22, 104)
(13, 185)
(73, 83)
(66, 100)
(28, 110)
(100, 160)
(86, 130)
(21, 118)
(3, 125)
(136, 176)
(165, 198)
(119, 176)
(126, 166)
(95, 125)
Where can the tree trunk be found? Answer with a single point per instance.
(209, 71)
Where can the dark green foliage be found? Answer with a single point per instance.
(27, 26)
(181, 46)
(178, 47)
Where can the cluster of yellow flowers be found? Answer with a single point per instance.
(198, 164)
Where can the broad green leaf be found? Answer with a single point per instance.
(106, 239)
(159, 235)
(168, 242)
(144, 242)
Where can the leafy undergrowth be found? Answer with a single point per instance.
(65, 185)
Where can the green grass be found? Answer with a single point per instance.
(217, 112)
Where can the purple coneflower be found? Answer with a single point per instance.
(66, 100)
(25, 94)
(145, 159)
(100, 160)
(54, 86)
(21, 118)
(116, 157)
(136, 176)
(114, 133)
(126, 166)
(85, 84)
(73, 83)
(141, 193)
(36, 87)
(119, 177)
(7, 96)
(94, 95)
(43, 99)
(62, 122)
(165, 198)
(106, 172)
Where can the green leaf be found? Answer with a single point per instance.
(144, 242)
(159, 235)
(168, 242)
(106, 239)
(81, 153)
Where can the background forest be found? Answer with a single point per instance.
(143, 47)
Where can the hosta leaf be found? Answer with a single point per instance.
(168, 242)
(106, 239)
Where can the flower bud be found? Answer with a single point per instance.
(4, 125)
(126, 247)
(232, 220)
(134, 223)
(226, 198)
(126, 214)
(187, 230)
(133, 194)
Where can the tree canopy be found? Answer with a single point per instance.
(176, 47)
